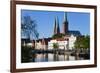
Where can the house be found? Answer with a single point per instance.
(67, 42)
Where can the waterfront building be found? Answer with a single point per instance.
(65, 43)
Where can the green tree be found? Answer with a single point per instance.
(58, 36)
(87, 42)
(77, 43)
(82, 42)
(25, 54)
(55, 45)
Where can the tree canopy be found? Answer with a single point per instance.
(60, 35)
(82, 42)
(55, 45)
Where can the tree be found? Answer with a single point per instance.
(25, 54)
(55, 45)
(29, 27)
(82, 42)
(87, 42)
(60, 35)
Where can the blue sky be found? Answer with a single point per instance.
(45, 21)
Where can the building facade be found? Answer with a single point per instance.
(65, 43)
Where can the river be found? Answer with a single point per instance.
(54, 57)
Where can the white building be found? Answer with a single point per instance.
(64, 43)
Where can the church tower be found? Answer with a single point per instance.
(58, 29)
(65, 24)
(56, 26)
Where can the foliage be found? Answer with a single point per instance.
(82, 42)
(28, 27)
(87, 42)
(55, 45)
(58, 36)
(25, 54)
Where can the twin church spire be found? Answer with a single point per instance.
(65, 25)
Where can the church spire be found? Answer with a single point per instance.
(65, 24)
(65, 17)
(58, 29)
(56, 26)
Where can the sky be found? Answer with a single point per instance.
(45, 21)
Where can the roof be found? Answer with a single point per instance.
(75, 33)
(61, 39)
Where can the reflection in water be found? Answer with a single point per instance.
(40, 57)
(53, 57)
